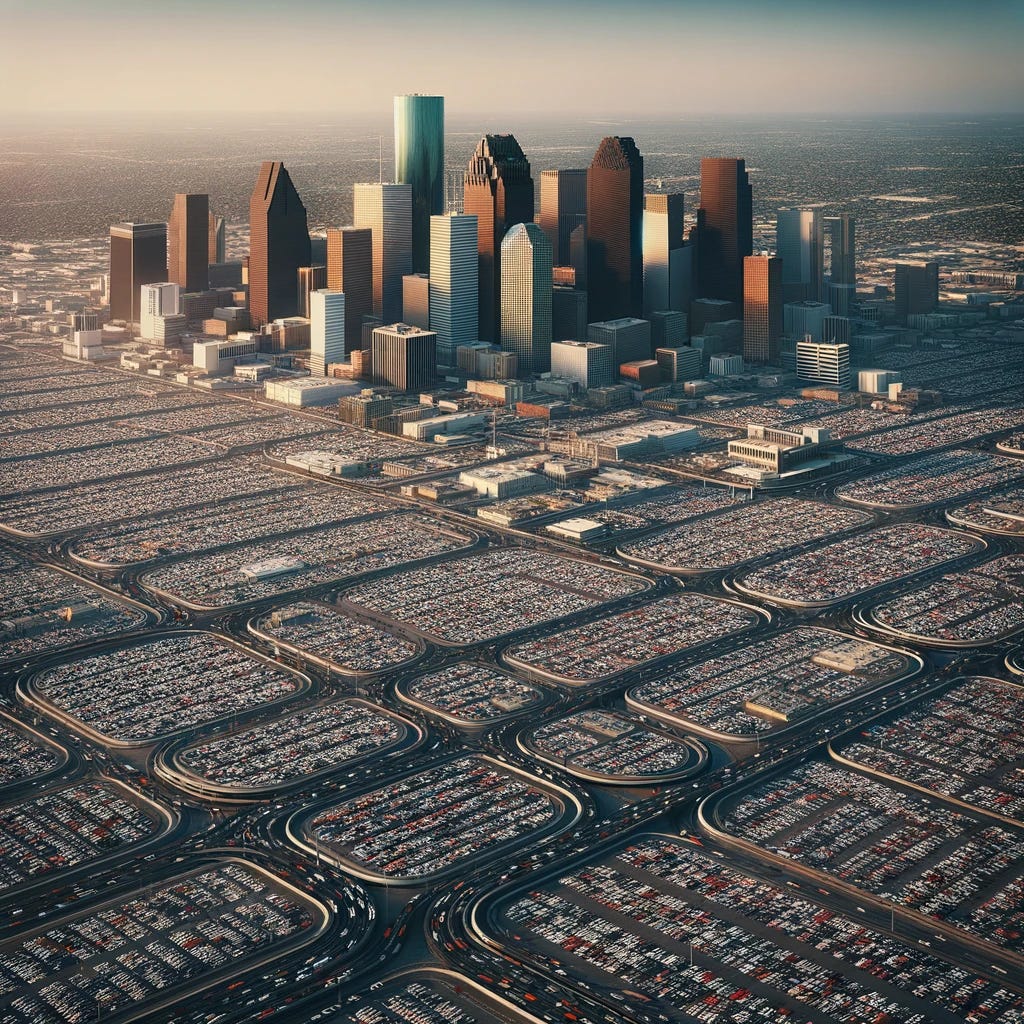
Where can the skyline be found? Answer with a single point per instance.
(906, 56)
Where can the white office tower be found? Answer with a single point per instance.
(387, 211)
(454, 289)
(526, 297)
(800, 244)
(823, 364)
(158, 300)
(668, 260)
(326, 330)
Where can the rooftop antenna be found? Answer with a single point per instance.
(380, 159)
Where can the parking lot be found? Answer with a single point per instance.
(845, 568)
(976, 607)
(430, 999)
(959, 428)
(269, 568)
(966, 743)
(22, 755)
(281, 509)
(134, 695)
(612, 746)
(628, 640)
(932, 480)
(997, 513)
(44, 610)
(770, 684)
(902, 847)
(323, 632)
(294, 747)
(68, 469)
(69, 826)
(430, 822)
(351, 443)
(472, 694)
(168, 939)
(666, 929)
(753, 530)
(483, 596)
(162, 492)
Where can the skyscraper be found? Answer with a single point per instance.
(386, 209)
(217, 249)
(668, 259)
(278, 244)
(404, 357)
(138, 256)
(188, 242)
(454, 283)
(725, 227)
(308, 280)
(498, 191)
(800, 245)
(563, 207)
(916, 286)
(350, 270)
(762, 309)
(416, 301)
(157, 300)
(842, 238)
(615, 212)
(526, 297)
(326, 329)
(419, 162)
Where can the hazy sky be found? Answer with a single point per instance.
(589, 58)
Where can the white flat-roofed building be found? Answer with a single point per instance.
(425, 430)
(589, 363)
(309, 391)
(502, 482)
(216, 357)
(326, 329)
(876, 382)
(577, 529)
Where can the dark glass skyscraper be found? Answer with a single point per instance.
(419, 161)
(188, 242)
(278, 244)
(725, 227)
(615, 218)
(563, 207)
(499, 193)
(842, 236)
(138, 256)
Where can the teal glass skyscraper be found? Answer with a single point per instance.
(419, 161)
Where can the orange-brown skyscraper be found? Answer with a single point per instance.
(615, 221)
(278, 244)
(350, 270)
(188, 242)
(725, 227)
(499, 193)
(762, 309)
